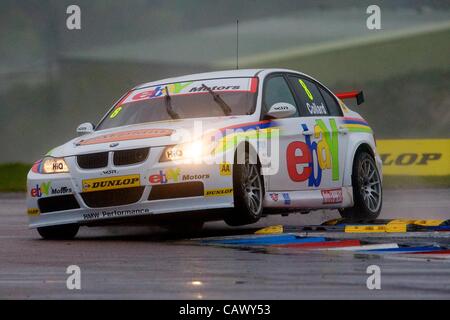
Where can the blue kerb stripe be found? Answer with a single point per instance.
(267, 240)
(439, 228)
(256, 238)
(405, 249)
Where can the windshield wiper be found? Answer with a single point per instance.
(169, 108)
(217, 98)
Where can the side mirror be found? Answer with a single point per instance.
(85, 128)
(281, 110)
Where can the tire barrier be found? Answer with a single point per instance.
(415, 157)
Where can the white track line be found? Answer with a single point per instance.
(365, 247)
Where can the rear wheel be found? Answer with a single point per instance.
(248, 190)
(64, 232)
(367, 190)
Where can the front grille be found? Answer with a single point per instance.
(128, 157)
(93, 160)
(177, 190)
(112, 198)
(59, 203)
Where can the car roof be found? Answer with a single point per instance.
(212, 75)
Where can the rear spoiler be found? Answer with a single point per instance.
(353, 94)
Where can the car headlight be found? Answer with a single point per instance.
(187, 151)
(52, 165)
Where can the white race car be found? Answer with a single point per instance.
(232, 145)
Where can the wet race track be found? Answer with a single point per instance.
(149, 263)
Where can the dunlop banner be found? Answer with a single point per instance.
(415, 157)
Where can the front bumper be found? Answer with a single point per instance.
(78, 194)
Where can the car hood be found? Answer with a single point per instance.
(153, 134)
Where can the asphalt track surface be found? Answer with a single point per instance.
(149, 263)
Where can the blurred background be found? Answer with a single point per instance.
(52, 78)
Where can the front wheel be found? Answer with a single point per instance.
(64, 232)
(248, 190)
(367, 190)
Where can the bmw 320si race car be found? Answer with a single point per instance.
(232, 145)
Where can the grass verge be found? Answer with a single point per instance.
(13, 177)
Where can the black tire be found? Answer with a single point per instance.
(248, 192)
(64, 232)
(367, 190)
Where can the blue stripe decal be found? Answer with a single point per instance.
(222, 133)
(356, 122)
(259, 125)
(267, 240)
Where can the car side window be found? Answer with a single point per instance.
(333, 107)
(277, 90)
(311, 101)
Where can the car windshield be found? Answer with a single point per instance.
(184, 100)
